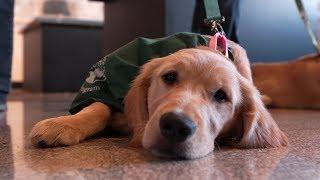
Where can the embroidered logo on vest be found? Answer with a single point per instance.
(97, 73)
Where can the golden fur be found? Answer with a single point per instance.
(293, 84)
(242, 121)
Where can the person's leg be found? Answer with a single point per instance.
(198, 25)
(228, 8)
(6, 38)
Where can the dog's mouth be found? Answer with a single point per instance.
(178, 151)
(169, 154)
(167, 150)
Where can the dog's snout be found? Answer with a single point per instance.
(176, 127)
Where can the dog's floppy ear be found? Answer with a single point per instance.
(258, 127)
(241, 60)
(135, 102)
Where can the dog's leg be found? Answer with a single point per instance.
(70, 130)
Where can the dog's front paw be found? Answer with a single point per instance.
(54, 132)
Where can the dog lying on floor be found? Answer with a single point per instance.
(178, 106)
(293, 84)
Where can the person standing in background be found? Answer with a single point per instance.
(6, 45)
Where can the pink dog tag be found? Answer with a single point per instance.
(219, 42)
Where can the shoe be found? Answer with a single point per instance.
(3, 107)
(2, 116)
(3, 102)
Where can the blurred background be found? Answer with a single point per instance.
(56, 41)
(26, 11)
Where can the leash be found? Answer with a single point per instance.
(307, 24)
(213, 16)
(214, 19)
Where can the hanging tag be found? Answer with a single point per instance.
(219, 42)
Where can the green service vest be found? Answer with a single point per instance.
(109, 79)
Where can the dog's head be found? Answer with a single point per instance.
(181, 104)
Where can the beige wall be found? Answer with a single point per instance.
(27, 10)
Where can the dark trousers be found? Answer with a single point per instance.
(228, 8)
(6, 41)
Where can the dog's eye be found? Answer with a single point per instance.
(220, 96)
(170, 77)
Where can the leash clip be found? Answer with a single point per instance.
(215, 25)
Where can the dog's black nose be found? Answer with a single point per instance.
(176, 127)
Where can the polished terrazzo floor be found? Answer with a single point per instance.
(110, 158)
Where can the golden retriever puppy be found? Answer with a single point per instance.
(294, 84)
(179, 106)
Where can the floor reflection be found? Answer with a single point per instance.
(111, 158)
(6, 152)
(15, 120)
